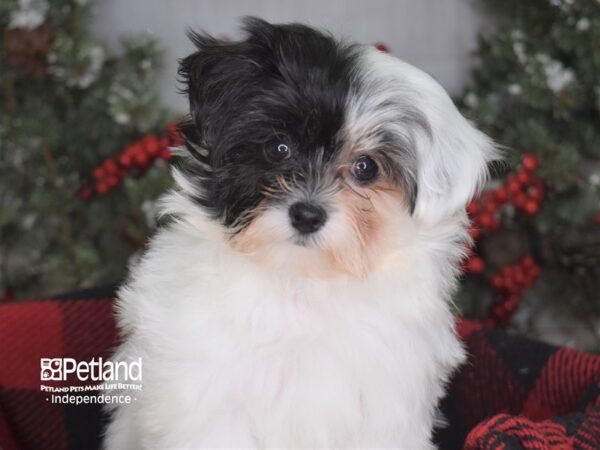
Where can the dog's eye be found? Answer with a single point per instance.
(277, 151)
(365, 169)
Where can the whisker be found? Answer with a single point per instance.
(283, 183)
(360, 194)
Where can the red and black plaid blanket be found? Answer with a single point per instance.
(513, 393)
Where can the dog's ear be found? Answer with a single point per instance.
(443, 155)
(452, 162)
(217, 78)
(220, 80)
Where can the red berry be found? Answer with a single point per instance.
(512, 303)
(531, 207)
(520, 200)
(125, 159)
(141, 160)
(486, 221)
(475, 264)
(101, 188)
(110, 167)
(501, 195)
(535, 272)
(175, 137)
(513, 186)
(166, 154)
(530, 162)
(528, 262)
(99, 173)
(475, 233)
(491, 207)
(473, 207)
(597, 218)
(172, 129)
(497, 282)
(382, 47)
(136, 149)
(524, 177)
(520, 277)
(151, 145)
(176, 140)
(112, 181)
(132, 149)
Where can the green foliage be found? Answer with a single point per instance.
(537, 89)
(54, 128)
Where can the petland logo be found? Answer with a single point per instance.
(59, 369)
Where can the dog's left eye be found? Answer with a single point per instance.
(277, 151)
(365, 169)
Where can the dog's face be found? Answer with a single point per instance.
(320, 157)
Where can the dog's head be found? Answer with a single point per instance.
(319, 156)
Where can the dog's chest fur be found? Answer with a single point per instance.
(236, 355)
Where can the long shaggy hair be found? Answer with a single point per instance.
(301, 295)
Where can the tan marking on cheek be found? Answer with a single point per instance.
(370, 216)
(253, 236)
(348, 256)
(389, 221)
(371, 213)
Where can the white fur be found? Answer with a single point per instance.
(452, 156)
(242, 356)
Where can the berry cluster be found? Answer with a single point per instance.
(136, 157)
(524, 190)
(510, 283)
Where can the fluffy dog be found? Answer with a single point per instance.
(301, 295)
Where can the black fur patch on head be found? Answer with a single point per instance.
(282, 84)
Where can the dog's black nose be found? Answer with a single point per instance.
(306, 217)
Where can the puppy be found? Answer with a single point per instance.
(301, 295)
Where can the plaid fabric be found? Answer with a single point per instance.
(79, 329)
(513, 393)
(516, 393)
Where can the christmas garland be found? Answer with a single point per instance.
(133, 159)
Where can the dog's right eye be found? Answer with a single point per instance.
(365, 169)
(277, 151)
